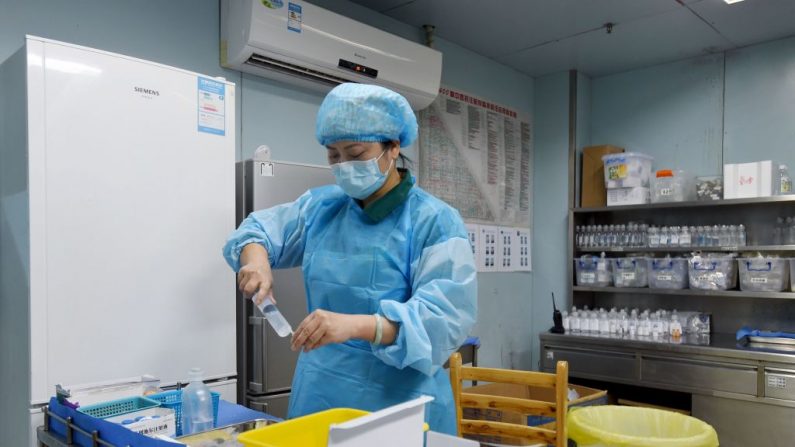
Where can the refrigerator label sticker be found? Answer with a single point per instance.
(211, 107)
(294, 17)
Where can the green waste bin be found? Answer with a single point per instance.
(618, 426)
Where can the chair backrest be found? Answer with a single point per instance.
(548, 434)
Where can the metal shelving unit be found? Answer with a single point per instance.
(696, 204)
(774, 248)
(688, 292)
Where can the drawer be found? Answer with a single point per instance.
(779, 384)
(695, 374)
(592, 362)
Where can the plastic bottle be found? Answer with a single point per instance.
(673, 237)
(715, 236)
(633, 323)
(197, 404)
(604, 323)
(723, 238)
(699, 236)
(594, 322)
(742, 236)
(654, 237)
(623, 322)
(685, 238)
(777, 231)
(574, 321)
(644, 235)
(788, 235)
(786, 180)
(664, 237)
(566, 321)
(676, 327)
(733, 236)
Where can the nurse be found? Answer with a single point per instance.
(388, 270)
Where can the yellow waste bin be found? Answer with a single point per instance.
(618, 426)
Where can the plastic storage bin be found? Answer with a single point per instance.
(715, 272)
(593, 271)
(306, 431)
(611, 425)
(668, 273)
(763, 274)
(672, 186)
(173, 400)
(627, 170)
(630, 272)
(118, 407)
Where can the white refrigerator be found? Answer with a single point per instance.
(116, 185)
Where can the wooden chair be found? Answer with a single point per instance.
(551, 434)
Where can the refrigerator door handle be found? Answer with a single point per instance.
(257, 378)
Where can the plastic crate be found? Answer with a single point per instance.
(712, 272)
(627, 170)
(307, 431)
(668, 273)
(763, 274)
(173, 400)
(630, 272)
(118, 407)
(593, 271)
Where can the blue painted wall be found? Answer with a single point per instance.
(672, 112)
(551, 185)
(760, 103)
(184, 33)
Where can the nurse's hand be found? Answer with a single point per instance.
(322, 327)
(255, 275)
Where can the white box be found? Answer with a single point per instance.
(164, 423)
(747, 180)
(627, 196)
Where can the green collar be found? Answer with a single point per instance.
(381, 208)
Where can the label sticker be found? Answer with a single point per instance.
(628, 276)
(266, 169)
(758, 280)
(550, 355)
(776, 381)
(666, 191)
(273, 4)
(617, 172)
(665, 277)
(294, 17)
(212, 107)
(588, 277)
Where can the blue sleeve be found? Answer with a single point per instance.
(281, 230)
(436, 320)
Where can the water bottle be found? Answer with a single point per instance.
(197, 405)
(742, 237)
(654, 237)
(685, 237)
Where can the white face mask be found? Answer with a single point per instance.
(360, 178)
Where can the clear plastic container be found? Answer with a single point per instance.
(712, 272)
(593, 271)
(668, 273)
(709, 188)
(627, 170)
(672, 186)
(630, 272)
(197, 405)
(763, 274)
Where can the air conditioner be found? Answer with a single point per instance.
(300, 43)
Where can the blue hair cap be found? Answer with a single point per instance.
(366, 113)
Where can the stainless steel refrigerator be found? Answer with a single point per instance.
(265, 362)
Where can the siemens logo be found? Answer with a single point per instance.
(147, 91)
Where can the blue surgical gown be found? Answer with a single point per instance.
(414, 266)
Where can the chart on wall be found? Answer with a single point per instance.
(476, 156)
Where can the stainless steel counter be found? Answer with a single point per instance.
(744, 391)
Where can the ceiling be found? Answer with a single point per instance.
(539, 37)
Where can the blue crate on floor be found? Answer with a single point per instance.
(173, 400)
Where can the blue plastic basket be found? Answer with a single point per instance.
(173, 400)
(118, 407)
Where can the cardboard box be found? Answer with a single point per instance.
(748, 180)
(628, 196)
(587, 396)
(592, 184)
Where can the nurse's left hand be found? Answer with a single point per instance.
(322, 327)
